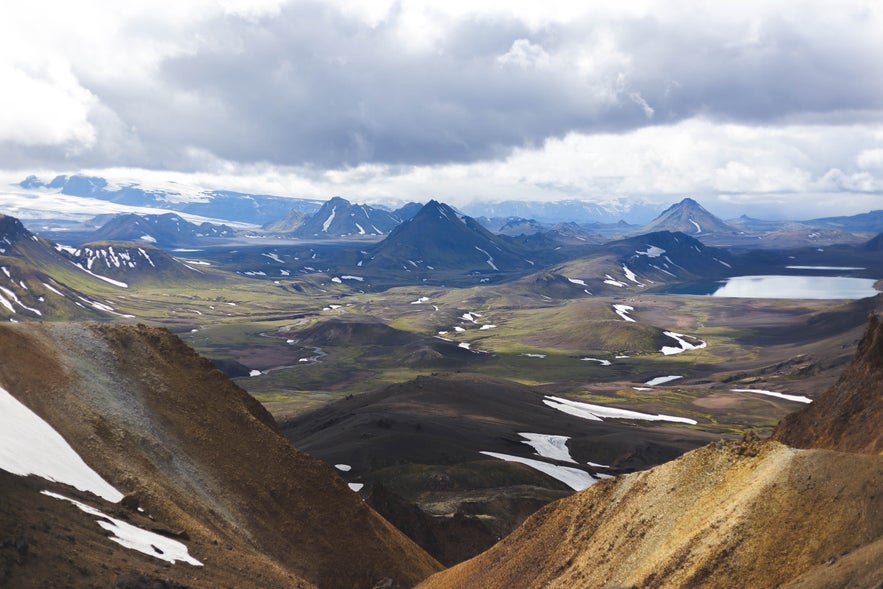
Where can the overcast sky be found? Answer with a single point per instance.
(774, 108)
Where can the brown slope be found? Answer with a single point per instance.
(157, 420)
(848, 416)
(727, 515)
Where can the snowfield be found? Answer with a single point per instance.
(30, 446)
(135, 538)
(684, 344)
(600, 412)
(796, 398)
(661, 380)
(549, 446)
(574, 478)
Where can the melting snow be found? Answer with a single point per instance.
(574, 478)
(490, 260)
(533, 355)
(599, 361)
(464, 345)
(356, 486)
(797, 398)
(487, 326)
(420, 301)
(652, 252)
(577, 281)
(684, 344)
(623, 311)
(254, 373)
(274, 257)
(630, 275)
(696, 225)
(135, 538)
(29, 445)
(328, 221)
(600, 412)
(661, 380)
(613, 282)
(549, 446)
(343, 467)
(104, 278)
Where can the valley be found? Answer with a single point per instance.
(460, 380)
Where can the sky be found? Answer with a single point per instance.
(770, 108)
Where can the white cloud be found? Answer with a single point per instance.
(524, 54)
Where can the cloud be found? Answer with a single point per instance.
(552, 98)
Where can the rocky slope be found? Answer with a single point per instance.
(738, 514)
(849, 415)
(202, 457)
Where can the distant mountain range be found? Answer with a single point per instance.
(216, 204)
(339, 218)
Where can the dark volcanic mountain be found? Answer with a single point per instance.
(730, 514)
(439, 238)
(339, 217)
(132, 263)
(38, 280)
(422, 442)
(166, 230)
(689, 217)
(203, 459)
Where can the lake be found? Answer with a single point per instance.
(782, 287)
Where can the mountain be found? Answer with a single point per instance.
(407, 211)
(339, 217)
(730, 514)
(39, 281)
(577, 211)
(870, 222)
(176, 449)
(438, 238)
(216, 204)
(848, 416)
(689, 217)
(875, 244)
(166, 230)
(636, 263)
(422, 442)
(132, 263)
(287, 224)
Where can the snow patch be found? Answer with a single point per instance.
(598, 360)
(600, 412)
(661, 380)
(796, 398)
(652, 252)
(356, 487)
(623, 311)
(135, 538)
(549, 446)
(574, 478)
(29, 445)
(343, 467)
(684, 344)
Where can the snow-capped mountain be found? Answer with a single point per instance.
(339, 217)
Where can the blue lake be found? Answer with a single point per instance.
(783, 287)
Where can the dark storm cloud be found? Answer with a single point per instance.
(310, 86)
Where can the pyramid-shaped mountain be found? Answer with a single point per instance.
(440, 238)
(689, 217)
(667, 256)
(339, 217)
(167, 229)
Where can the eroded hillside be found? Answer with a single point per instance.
(194, 451)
